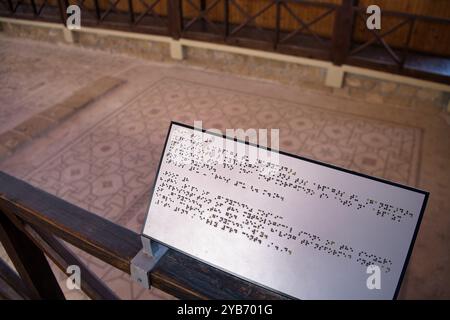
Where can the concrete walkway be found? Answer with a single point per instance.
(104, 155)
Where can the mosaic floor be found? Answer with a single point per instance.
(27, 73)
(104, 158)
(110, 166)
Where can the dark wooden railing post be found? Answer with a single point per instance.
(33, 5)
(29, 261)
(175, 18)
(277, 24)
(97, 10)
(131, 11)
(226, 18)
(343, 31)
(11, 6)
(203, 9)
(63, 4)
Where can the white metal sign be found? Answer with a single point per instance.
(297, 226)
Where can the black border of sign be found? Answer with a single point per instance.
(416, 231)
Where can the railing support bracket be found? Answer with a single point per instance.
(145, 261)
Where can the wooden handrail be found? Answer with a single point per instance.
(45, 216)
(89, 232)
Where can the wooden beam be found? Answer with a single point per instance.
(131, 11)
(343, 31)
(203, 9)
(97, 236)
(175, 15)
(91, 285)
(29, 262)
(98, 13)
(10, 280)
(277, 24)
(226, 18)
(54, 249)
(62, 6)
(33, 5)
(7, 292)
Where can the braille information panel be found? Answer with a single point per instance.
(303, 228)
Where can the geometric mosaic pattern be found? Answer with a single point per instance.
(109, 169)
(106, 169)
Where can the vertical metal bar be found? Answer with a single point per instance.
(278, 24)
(131, 11)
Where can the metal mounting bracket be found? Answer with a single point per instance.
(146, 259)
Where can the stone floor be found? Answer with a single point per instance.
(104, 157)
(27, 74)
